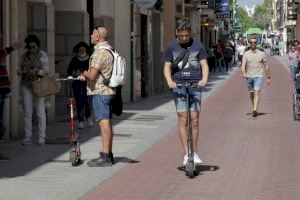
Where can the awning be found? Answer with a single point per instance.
(252, 31)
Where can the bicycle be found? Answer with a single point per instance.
(190, 166)
(75, 153)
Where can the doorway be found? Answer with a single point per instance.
(144, 56)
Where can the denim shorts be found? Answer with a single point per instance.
(102, 106)
(254, 83)
(179, 95)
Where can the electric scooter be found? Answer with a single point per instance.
(75, 153)
(190, 166)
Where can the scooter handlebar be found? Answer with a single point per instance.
(69, 78)
(191, 85)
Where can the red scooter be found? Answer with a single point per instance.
(75, 153)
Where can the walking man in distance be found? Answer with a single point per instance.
(254, 67)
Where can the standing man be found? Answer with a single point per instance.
(192, 68)
(100, 69)
(254, 66)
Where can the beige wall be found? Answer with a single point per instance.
(122, 39)
(69, 5)
(169, 22)
(104, 7)
(119, 30)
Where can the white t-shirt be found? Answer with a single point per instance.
(241, 50)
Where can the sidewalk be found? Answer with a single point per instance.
(245, 158)
(43, 172)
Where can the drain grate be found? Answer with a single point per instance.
(147, 118)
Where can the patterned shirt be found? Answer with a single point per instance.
(102, 61)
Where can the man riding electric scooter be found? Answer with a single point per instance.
(186, 65)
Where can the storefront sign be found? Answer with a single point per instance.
(222, 8)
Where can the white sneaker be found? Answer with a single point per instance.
(41, 141)
(80, 125)
(27, 141)
(90, 121)
(197, 160)
(185, 159)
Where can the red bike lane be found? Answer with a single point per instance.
(244, 157)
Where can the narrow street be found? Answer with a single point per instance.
(244, 157)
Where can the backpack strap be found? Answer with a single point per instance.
(183, 56)
(111, 51)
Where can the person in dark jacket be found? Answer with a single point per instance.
(77, 66)
(228, 54)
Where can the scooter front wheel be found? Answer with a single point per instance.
(190, 169)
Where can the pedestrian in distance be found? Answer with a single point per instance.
(240, 51)
(78, 64)
(220, 64)
(293, 59)
(211, 58)
(193, 69)
(254, 67)
(97, 76)
(228, 54)
(34, 64)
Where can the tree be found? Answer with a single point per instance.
(244, 18)
(261, 18)
(263, 15)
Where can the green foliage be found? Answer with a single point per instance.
(244, 18)
(261, 18)
(263, 15)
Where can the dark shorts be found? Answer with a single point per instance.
(102, 106)
(240, 57)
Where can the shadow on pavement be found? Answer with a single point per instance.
(20, 160)
(259, 114)
(201, 168)
(125, 160)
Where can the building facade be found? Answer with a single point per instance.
(286, 17)
(139, 31)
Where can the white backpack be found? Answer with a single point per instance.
(118, 71)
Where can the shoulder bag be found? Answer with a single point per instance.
(45, 85)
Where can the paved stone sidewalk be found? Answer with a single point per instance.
(43, 172)
(245, 157)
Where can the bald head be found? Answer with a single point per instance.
(102, 32)
(99, 35)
